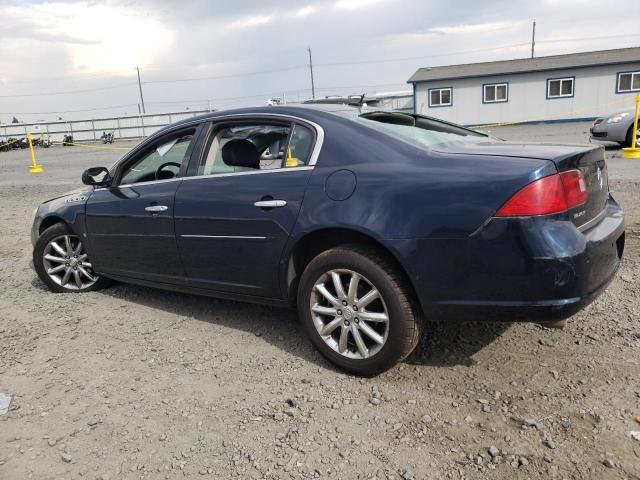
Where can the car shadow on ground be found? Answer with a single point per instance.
(450, 343)
(612, 147)
(442, 344)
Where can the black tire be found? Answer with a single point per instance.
(629, 141)
(405, 322)
(47, 236)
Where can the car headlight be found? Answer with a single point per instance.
(618, 117)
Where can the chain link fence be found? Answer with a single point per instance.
(134, 126)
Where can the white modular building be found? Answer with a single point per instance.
(572, 87)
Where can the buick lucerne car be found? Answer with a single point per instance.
(367, 221)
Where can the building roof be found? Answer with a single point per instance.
(504, 67)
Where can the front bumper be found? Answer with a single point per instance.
(609, 132)
(519, 269)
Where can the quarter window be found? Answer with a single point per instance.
(496, 93)
(251, 146)
(560, 87)
(629, 82)
(300, 145)
(440, 97)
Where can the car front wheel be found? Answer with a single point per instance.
(358, 310)
(629, 142)
(62, 263)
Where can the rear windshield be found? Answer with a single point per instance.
(415, 129)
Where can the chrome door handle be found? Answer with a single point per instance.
(271, 203)
(156, 208)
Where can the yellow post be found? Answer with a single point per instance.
(291, 161)
(634, 150)
(34, 167)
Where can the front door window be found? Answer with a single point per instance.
(160, 161)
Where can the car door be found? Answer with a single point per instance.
(130, 224)
(234, 216)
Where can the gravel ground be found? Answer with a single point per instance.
(133, 382)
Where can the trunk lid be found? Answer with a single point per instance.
(589, 159)
(591, 163)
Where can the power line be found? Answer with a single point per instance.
(298, 91)
(83, 76)
(268, 94)
(580, 39)
(70, 111)
(294, 67)
(69, 92)
(420, 57)
(221, 77)
(331, 64)
(356, 62)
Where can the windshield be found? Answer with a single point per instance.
(416, 129)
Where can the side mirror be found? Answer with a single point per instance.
(98, 176)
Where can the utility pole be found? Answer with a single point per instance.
(533, 40)
(313, 88)
(140, 88)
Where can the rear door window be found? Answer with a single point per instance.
(244, 147)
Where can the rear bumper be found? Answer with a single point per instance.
(519, 269)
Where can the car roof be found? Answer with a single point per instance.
(313, 112)
(305, 111)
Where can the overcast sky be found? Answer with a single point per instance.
(256, 49)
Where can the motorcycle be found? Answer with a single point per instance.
(107, 137)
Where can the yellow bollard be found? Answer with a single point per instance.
(634, 150)
(34, 167)
(291, 160)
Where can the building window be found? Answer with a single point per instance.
(560, 87)
(440, 97)
(628, 82)
(495, 93)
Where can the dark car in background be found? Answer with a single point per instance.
(368, 221)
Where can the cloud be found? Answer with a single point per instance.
(305, 11)
(355, 4)
(477, 27)
(95, 37)
(252, 21)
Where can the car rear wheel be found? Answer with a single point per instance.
(62, 263)
(358, 310)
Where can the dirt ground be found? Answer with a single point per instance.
(138, 383)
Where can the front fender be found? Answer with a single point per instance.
(69, 209)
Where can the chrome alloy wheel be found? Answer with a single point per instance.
(67, 264)
(349, 313)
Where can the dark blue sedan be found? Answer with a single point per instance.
(368, 221)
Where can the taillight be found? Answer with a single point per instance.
(553, 194)
(575, 188)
